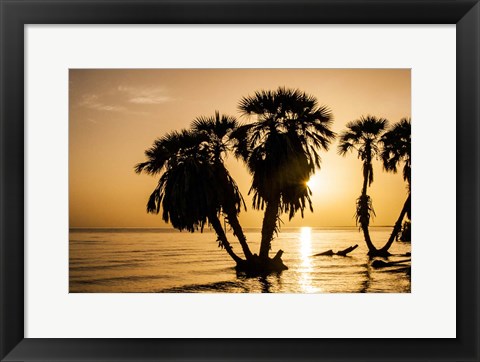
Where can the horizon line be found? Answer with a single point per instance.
(247, 227)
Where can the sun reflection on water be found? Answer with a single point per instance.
(305, 244)
(306, 266)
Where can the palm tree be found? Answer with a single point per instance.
(190, 164)
(218, 128)
(363, 135)
(396, 151)
(281, 151)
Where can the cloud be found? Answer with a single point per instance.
(150, 99)
(92, 101)
(147, 95)
(125, 99)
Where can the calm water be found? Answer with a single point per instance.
(165, 260)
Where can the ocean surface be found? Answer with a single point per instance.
(142, 260)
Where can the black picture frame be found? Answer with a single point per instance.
(15, 14)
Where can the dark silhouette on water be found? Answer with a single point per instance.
(281, 151)
(382, 264)
(243, 284)
(406, 233)
(363, 135)
(343, 252)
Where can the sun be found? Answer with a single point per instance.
(312, 183)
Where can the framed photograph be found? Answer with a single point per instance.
(240, 180)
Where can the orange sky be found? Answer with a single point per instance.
(116, 114)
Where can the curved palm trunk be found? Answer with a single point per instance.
(268, 226)
(217, 226)
(238, 231)
(397, 226)
(372, 250)
(231, 212)
(366, 233)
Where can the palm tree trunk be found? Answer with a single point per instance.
(372, 250)
(365, 182)
(238, 231)
(231, 211)
(366, 234)
(366, 175)
(268, 226)
(217, 226)
(397, 226)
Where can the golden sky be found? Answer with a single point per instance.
(116, 114)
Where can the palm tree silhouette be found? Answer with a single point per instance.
(194, 188)
(218, 129)
(364, 135)
(281, 151)
(397, 150)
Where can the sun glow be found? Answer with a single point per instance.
(313, 183)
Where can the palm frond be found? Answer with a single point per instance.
(363, 135)
(194, 183)
(396, 148)
(364, 211)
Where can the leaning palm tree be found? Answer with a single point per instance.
(281, 150)
(396, 151)
(363, 135)
(188, 168)
(218, 128)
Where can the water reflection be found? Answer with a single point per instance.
(305, 242)
(112, 262)
(306, 269)
(368, 277)
(270, 283)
